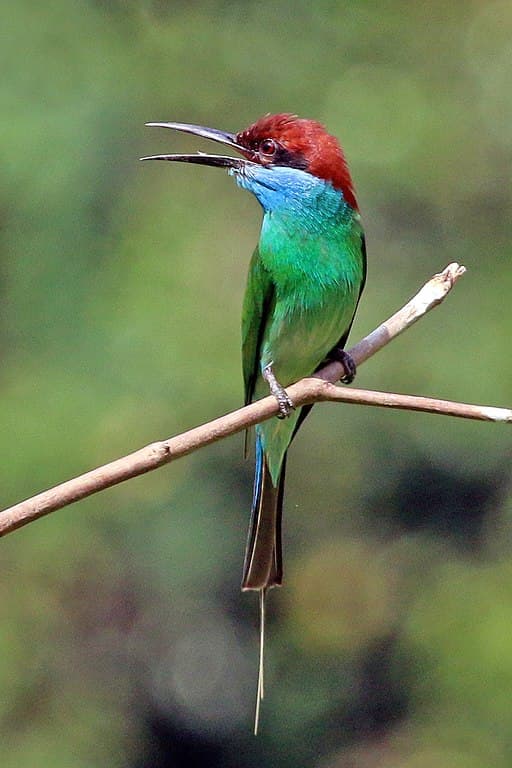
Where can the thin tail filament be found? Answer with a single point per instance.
(261, 666)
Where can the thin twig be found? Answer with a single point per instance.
(412, 403)
(319, 388)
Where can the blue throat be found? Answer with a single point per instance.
(294, 193)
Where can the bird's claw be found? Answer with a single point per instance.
(348, 362)
(284, 402)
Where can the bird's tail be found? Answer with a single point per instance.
(263, 566)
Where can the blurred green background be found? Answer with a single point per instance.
(124, 639)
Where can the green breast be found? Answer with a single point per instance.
(317, 271)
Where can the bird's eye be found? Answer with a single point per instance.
(267, 147)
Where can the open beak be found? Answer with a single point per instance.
(221, 137)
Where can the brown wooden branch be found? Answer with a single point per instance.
(310, 390)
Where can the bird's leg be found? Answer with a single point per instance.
(347, 361)
(285, 404)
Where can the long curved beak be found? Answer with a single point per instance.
(201, 158)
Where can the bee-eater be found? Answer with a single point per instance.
(305, 279)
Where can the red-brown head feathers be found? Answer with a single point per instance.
(305, 144)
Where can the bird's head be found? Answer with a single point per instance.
(278, 153)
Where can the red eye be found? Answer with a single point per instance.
(267, 147)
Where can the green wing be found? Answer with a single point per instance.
(258, 302)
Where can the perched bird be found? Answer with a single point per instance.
(305, 279)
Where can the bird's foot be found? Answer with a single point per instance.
(347, 361)
(286, 405)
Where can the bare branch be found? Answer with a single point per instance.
(412, 403)
(319, 388)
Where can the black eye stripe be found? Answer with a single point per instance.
(283, 156)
